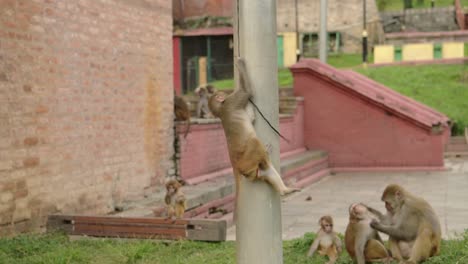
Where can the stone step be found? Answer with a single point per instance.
(457, 140)
(311, 167)
(312, 178)
(456, 154)
(456, 147)
(214, 198)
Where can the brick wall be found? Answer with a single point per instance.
(85, 106)
(198, 8)
(424, 19)
(204, 150)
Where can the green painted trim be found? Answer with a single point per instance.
(437, 51)
(397, 53)
(208, 60)
(337, 42)
(280, 47)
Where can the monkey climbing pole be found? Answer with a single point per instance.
(258, 217)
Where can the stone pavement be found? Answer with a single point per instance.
(446, 191)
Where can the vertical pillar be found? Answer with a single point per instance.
(258, 218)
(323, 31)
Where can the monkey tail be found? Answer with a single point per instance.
(268, 122)
(187, 128)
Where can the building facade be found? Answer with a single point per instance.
(86, 100)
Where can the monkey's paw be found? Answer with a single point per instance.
(290, 190)
(375, 224)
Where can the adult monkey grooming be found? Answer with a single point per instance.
(413, 225)
(248, 155)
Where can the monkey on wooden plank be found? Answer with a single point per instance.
(414, 229)
(362, 242)
(327, 241)
(175, 199)
(248, 155)
(182, 112)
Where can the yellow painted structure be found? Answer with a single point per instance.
(202, 73)
(417, 52)
(451, 50)
(289, 46)
(384, 54)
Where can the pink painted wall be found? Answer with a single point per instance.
(204, 150)
(358, 131)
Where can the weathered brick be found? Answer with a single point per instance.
(77, 112)
(31, 162)
(31, 141)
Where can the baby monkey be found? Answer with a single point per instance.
(327, 242)
(248, 155)
(175, 199)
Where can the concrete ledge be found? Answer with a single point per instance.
(422, 62)
(385, 169)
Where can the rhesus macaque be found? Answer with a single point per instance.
(175, 199)
(414, 229)
(204, 92)
(182, 112)
(248, 155)
(362, 242)
(327, 241)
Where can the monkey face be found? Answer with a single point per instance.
(392, 201)
(326, 226)
(215, 103)
(326, 223)
(210, 88)
(172, 186)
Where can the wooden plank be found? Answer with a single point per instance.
(116, 219)
(105, 226)
(133, 235)
(207, 230)
(83, 229)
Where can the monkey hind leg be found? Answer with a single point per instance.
(332, 254)
(274, 178)
(170, 211)
(422, 248)
(179, 210)
(375, 251)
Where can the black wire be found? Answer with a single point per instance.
(250, 100)
(268, 122)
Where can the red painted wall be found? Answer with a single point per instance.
(359, 132)
(204, 150)
(177, 67)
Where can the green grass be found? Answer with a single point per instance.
(438, 86)
(57, 248)
(391, 5)
(442, 87)
(285, 77)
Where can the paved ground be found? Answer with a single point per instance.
(446, 191)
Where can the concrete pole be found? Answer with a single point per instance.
(323, 32)
(258, 219)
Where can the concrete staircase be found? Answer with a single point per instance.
(457, 147)
(214, 199)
